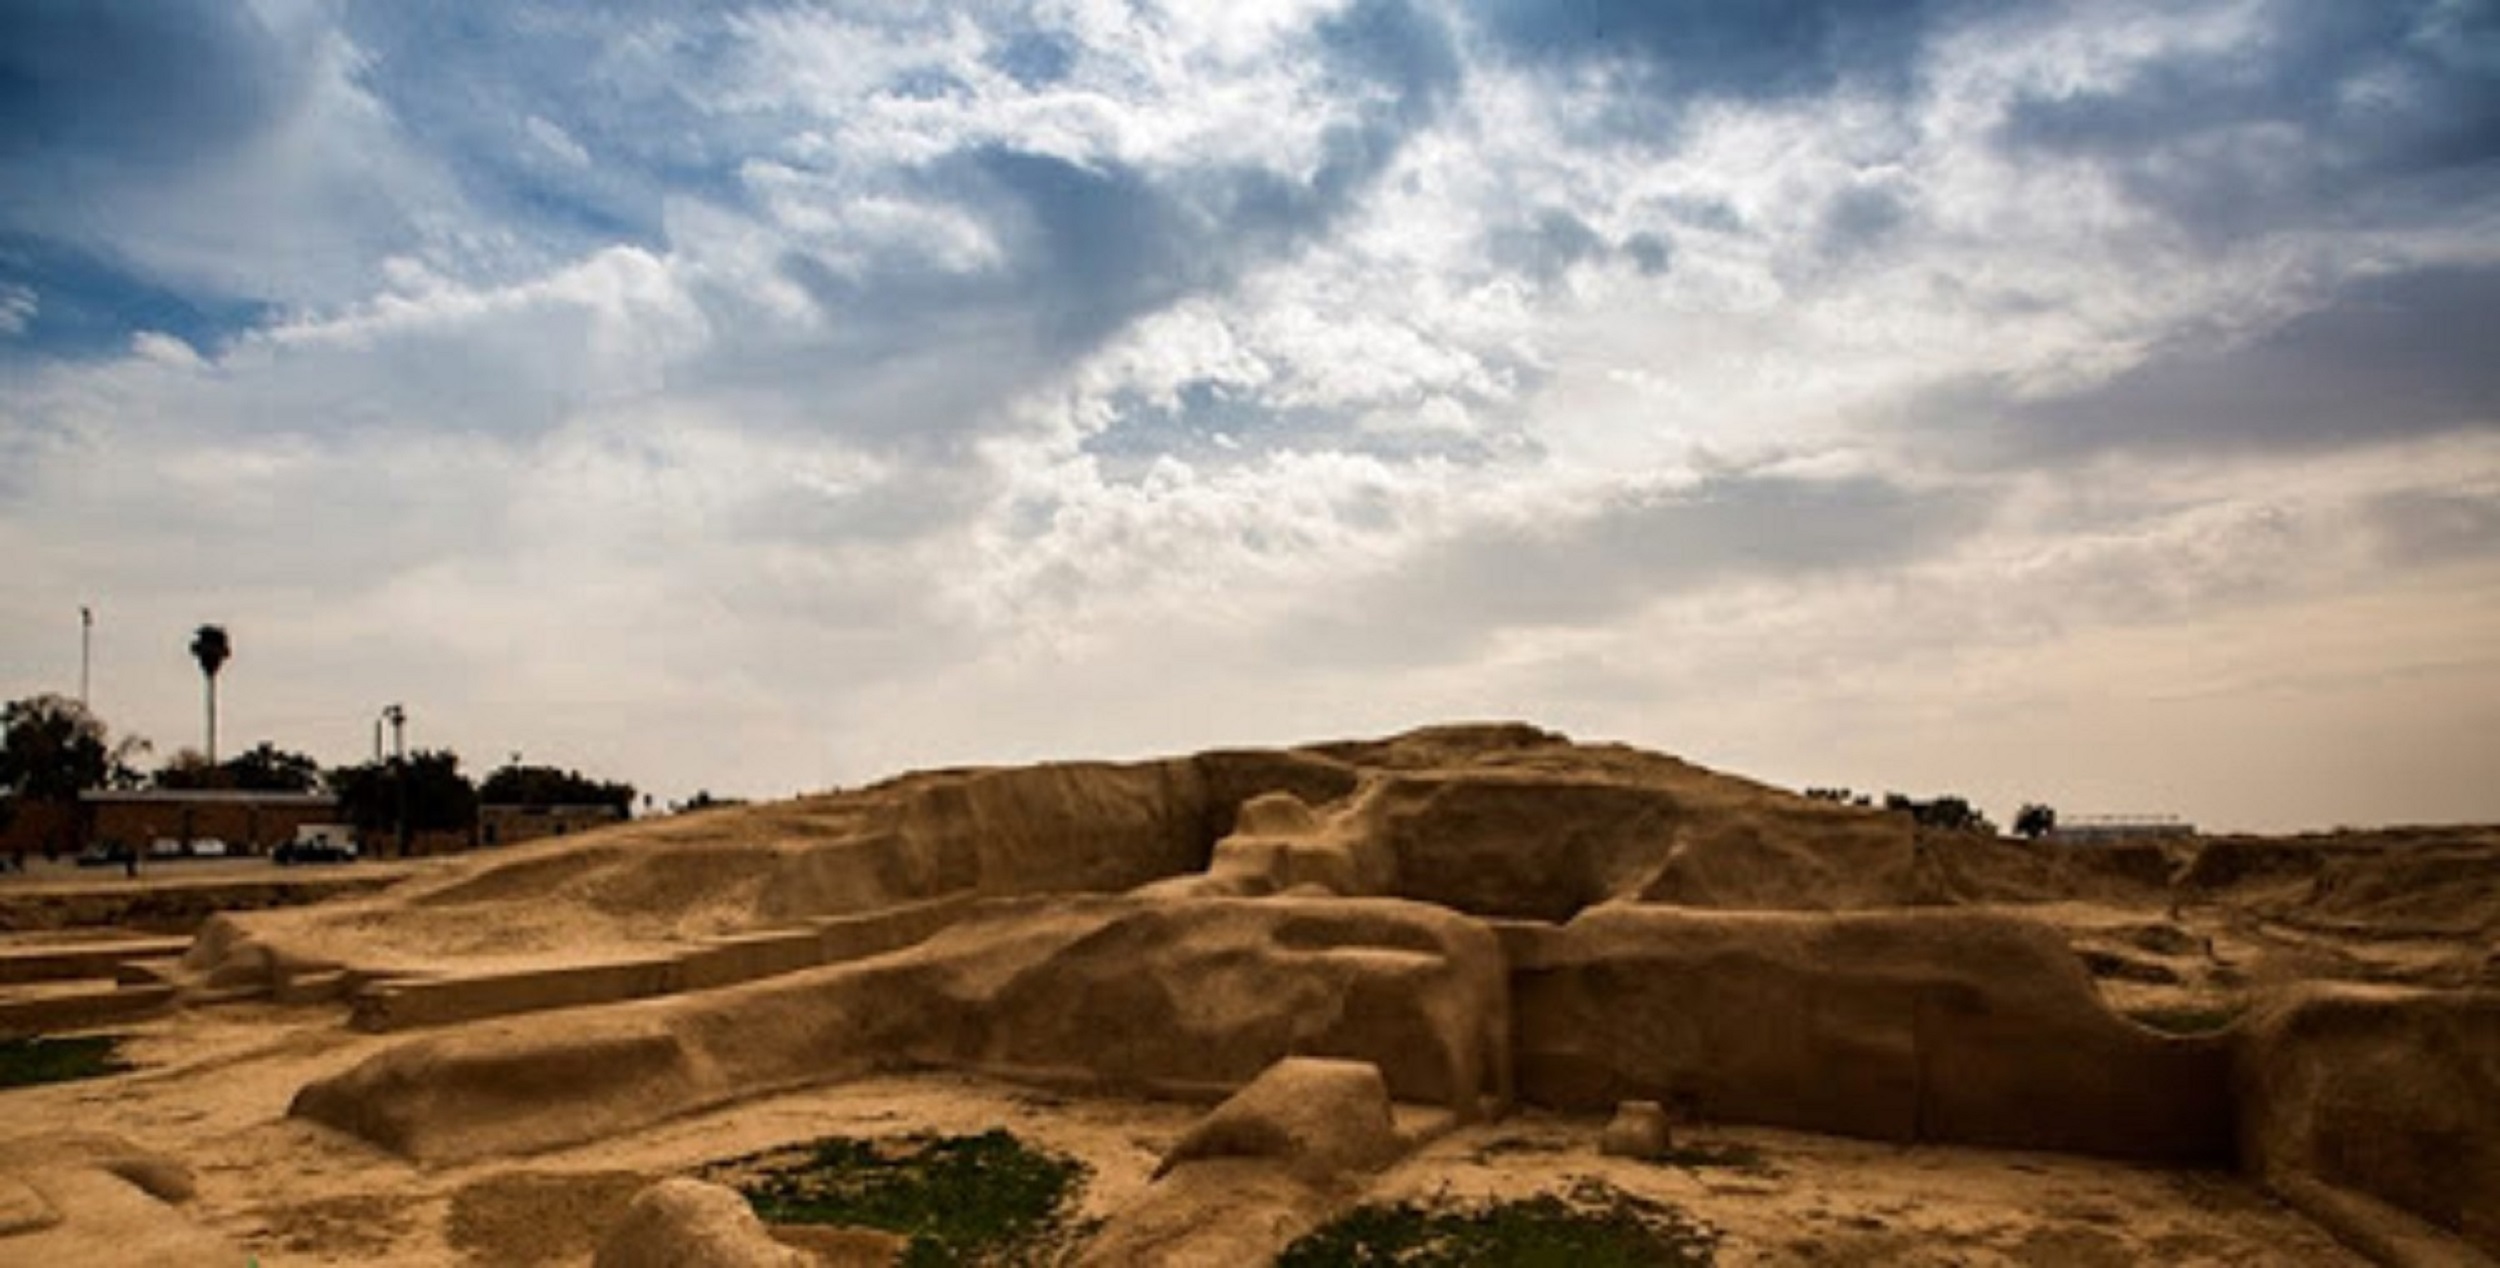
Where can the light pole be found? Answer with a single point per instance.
(398, 718)
(86, 640)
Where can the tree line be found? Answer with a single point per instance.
(52, 748)
(1948, 812)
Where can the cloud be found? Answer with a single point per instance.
(18, 306)
(77, 304)
(765, 396)
(2381, 358)
(223, 154)
(131, 85)
(1693, 49)
(2316, 113)
(1629, 548)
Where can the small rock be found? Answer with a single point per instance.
(1319, 1117)
(683, 1223)
(1639, 1130)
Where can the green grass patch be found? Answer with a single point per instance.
(1594, 1225)
(2186, 1019)
(26, 1062)
(986, 1199)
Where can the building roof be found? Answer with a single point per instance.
(205, 796)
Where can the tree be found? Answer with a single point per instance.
(2035, 820)
(263, 768)
(210, 647)
(268, 768)
(543, 786)
(1953, 814)
(52, 749)
(438, 797)
(187, 771)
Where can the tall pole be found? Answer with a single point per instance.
(398, 718)
(86, 639)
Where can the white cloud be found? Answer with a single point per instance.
(18, 306)
(849, 455)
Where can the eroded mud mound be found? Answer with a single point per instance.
(1481, 912)
(1500, 820)
(2382, 1091)
(1939, 1026)
(1119, 993)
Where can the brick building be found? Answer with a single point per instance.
(248, 822)
(31, 827)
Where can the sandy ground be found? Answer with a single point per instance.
(214, 1084)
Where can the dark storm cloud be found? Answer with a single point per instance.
(2334, 114)
(2387, 358)
(1633, 549)
(1706, 48)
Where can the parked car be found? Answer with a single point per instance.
(315, 849)
(106, 854)
(206, 848)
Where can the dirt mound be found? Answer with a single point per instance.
(1258, 1171)
(2440, 881)
(532, 1217)
(2388, 1092)
(1942, 1026)
(2441, 889)
(1317, 1117)
(86, 1198)
(680, 1222)
(1497, 820)
(1119, 992)
(1486, 819)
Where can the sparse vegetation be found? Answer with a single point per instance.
(986, 1199)
(1594, 1225)
(25, 1062)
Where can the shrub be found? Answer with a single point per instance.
(985, 1199)
(1593, 1226)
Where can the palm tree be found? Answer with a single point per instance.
(210, 647)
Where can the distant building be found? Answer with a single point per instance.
(511, 825)
(2098, 829)
(33, 826)
(247, 822)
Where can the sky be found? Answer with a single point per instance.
(2088, 403)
